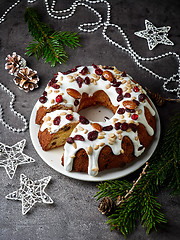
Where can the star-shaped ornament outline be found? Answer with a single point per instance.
(12, 156)
(154, 35)
(31, 192)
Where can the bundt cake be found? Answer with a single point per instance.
(94, 146)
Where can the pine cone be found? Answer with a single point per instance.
(14, 63)
(26, 79)
(106, 206)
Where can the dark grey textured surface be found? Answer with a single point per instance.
(74, 214)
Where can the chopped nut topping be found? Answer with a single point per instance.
(114, 120)
(101, 144)
(108, 86)
(74, 145)
(111, 135)
(119, 131)
(47, 118)
(96, 147)
(122, 151)
(119, 136)
(63, 113)
(95, 169)
(89, 150)
(100, 137)
(70, 111)
(85, 131)
(110, 142)
(80, 128)
(56, 91)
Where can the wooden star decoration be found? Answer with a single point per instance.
(11, 157)
(31, 192)
(155, 35)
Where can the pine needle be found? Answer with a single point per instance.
(142, 204)
(48, 44)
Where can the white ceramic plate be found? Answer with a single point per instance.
(53, 157)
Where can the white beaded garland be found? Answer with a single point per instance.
(91, 27)
(22, 118)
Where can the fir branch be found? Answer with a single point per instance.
(164, 171)
(47, 43)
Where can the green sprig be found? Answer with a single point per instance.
(47, 43)
(142, 204)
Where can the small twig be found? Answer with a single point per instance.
(129, 192)
(158, 99)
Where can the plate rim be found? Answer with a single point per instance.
(105, 175)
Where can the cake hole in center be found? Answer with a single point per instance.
(97, 113)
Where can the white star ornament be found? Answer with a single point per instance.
(155, 35)
(11, 157)
(31, 192)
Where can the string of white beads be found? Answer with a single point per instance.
(91, 27)
(22, 118)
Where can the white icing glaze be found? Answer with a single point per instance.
(54, 128)
(90, 89)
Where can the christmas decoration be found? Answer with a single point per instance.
(139, 201)
(23, 119)
(31, 192)
(106, 206)
(47, 43)
(11, 157)
(93, 26)
(154, 35)
(14, 63)
(26, 79)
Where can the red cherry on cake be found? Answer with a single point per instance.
(136, 89)
(57, 120)
(83, 120)
(119, 98)
(117, 125)
(127, 95)
(45, 93)
(134, 116)
(121, 111)
(76, 102)
(69, 117)
(79, 137)
(87, 80)
(116, 84)
(56, 86)
(119, 91)
(43, 99)
(133, 127)
(107, 128)
(79, 81)
(142, 97)
(136, 102)
(123, 74)
(98, 71)
(92, 135)
(59, 98)
(124, 126)
(84, 71)
(70, 140)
